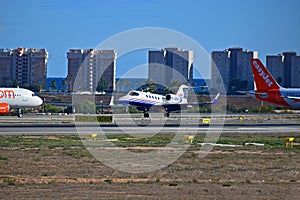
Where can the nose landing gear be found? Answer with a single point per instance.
(20, 112)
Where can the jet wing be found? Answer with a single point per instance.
(174, 107)
(214, 101)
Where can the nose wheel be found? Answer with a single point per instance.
(20, 112)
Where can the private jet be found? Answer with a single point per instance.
(143, 101)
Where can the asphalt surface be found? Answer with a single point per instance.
(114, 129)
(133, 124)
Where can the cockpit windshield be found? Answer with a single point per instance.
(134, 93)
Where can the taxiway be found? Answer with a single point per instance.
(114, 129)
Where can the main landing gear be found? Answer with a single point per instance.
(146, 115)
(167, 114)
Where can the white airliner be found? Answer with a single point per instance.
(171, 102)
(267, 89)
(17, 98)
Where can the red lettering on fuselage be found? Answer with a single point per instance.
(7, 94)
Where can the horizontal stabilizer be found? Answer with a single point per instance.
(214, 101)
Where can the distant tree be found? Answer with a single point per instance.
(53, 84)
(69, 81)
(85, 107)
(127, 83)
(64, 83)
(15, 83)
(35, 87)
(167, 90)
(176, 83)
(52, 109)
(124, 83)
(151, 86)
(69, 109)
(121, 84)
(102, 85)
(25, 85)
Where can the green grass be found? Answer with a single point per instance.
(158, 140)
(3, 158)
(39, 141)
(70, 142)
(47, 145)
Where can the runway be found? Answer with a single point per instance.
(114, 129)
(134, 124)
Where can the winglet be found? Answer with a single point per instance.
(183, 91)
(111, 103)
(214, 101)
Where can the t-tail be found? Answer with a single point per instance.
(183, 92)
(262, 77)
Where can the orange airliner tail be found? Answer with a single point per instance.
(262, 77)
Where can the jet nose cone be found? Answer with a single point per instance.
(124, 100)
(39, 101)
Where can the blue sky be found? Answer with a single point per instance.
(267, 26)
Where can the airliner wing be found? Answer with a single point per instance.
(291, 97)
(253, 93)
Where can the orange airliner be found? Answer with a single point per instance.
(267, 89)
(17, 98)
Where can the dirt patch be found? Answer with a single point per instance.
(225, 173)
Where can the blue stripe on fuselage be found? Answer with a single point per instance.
(140, 102)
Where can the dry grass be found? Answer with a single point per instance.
(58, 167)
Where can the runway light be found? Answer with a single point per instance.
(188, 138)
(93, 136)
(289, 142)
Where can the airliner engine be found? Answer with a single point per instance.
(4, 108)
